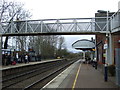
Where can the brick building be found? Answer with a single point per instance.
(101, 38)
(114, 57)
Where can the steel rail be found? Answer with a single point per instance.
(47, 76)
(44, 70)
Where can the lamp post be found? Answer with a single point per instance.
(84, 55)
(107, 36)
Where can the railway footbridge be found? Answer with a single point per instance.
(67, 26)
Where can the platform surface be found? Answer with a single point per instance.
(80, 75)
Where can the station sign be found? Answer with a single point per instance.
(105, 46)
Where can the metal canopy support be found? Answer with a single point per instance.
(84, 55)
(110, 50)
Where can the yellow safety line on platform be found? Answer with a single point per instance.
(76, 77)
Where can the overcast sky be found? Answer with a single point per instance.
(68, 8)
(54, 9)
(70, 39)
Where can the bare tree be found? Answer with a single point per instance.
(10, 11)
(45, 45)
(61, 43)
(61, 46)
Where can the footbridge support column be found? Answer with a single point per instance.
(0, 62)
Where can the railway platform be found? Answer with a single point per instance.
(80, 75)
(24, 64)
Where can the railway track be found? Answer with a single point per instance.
(47, 78)
(35, 78)
(17, 75)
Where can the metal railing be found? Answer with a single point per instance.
(115, 22)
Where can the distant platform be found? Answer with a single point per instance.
(23, 64)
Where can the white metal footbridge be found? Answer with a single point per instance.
(64, 26)
(54, 26)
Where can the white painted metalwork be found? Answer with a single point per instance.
(91, 25)
(115, 22)
(54, 25)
